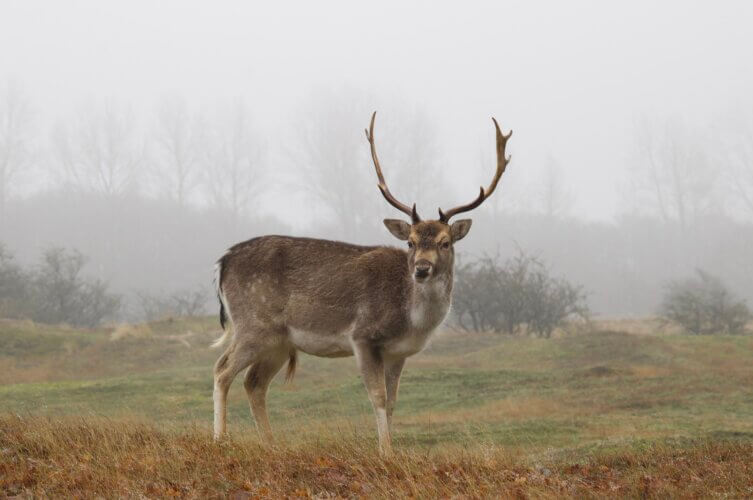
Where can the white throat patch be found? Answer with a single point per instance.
(431, 302)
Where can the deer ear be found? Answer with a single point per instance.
(460, 228)
(399, 229)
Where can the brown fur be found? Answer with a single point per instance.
(332, 299)
(314, 284)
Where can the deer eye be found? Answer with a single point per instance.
(445, 245)
(410, 244)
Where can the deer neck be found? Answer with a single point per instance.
(430, 302)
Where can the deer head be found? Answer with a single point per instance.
(431, 242)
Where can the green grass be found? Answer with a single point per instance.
(583, 391)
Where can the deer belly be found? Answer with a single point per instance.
(326, 345)
(408, 345)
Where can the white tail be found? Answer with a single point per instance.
(224, 310)
(221, 341)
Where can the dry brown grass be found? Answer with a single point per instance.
(129, 331)
(589, 414)
(649, 325)
(645, 325)
(73, 457)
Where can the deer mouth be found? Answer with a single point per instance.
(422, 273)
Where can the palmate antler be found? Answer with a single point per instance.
(382, 184)
(502, 162)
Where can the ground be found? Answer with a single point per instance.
(613, 408)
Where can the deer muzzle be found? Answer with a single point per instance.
(423, 270)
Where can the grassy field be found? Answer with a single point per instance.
(617, 408)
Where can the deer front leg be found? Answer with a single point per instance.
(392, 370)
(371, 363)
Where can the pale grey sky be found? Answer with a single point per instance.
(571, 78)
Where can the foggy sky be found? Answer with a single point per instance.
(571, 78)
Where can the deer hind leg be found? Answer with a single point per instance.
(371, 363)
(256, 383)
(232, 362)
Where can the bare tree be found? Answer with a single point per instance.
(414, 153)
(101, 152)
(232, 160)
(673, 173)
(177, 140)
(332, 150)
(15, 138)
(556, 200)
(737, 154)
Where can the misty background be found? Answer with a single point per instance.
(152, 136)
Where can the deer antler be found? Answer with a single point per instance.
(382, 184)
(502, 162)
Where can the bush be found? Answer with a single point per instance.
(515, 295)
(14, 287)
(54, 292)
(704, 305)
(189, 302)
(61, 295)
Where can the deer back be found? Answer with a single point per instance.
(317, 286)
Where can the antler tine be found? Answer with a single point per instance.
(382, 183)
(502, 162)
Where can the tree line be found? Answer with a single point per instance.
(154, 197)
(218, 156)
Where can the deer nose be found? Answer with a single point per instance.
(423, 269)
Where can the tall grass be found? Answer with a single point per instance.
(75, 457)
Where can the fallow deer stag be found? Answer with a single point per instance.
(281, 294)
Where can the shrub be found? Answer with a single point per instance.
(62, 295)
(14, 287)
(188, 302)
(704, 305)
(518, 294)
